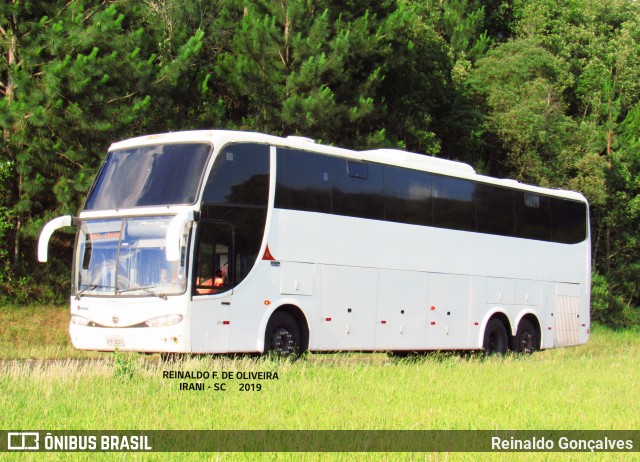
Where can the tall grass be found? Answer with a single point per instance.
(589, 387)
(37, 332)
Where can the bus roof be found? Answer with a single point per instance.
(395, 157)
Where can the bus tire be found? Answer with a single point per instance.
(496, 340)
(283, 337)
(526, 339)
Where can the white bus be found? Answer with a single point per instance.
(232, 242)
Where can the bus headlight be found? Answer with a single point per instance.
(79, 320)
(163, 321)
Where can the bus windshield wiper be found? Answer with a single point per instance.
(146, 289)
(92, 287)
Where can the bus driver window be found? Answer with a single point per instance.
(212, 275)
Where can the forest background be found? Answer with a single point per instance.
(545, 92)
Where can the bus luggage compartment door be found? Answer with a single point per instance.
(348, 313)
(402, 312)
(296, 278)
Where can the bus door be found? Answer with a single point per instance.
(212, 284)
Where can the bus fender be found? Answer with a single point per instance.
(485, 320)
(281, 304)
(521, 316)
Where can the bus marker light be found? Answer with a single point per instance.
(476, 324)
(383, 322)
(433, 323)
(433, 308)
(226, 323)
(328, 319)
(267, 302)
(549, 327)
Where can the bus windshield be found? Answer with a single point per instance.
(162, 174)
(126, 256)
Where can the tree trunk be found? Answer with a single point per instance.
(12, 60)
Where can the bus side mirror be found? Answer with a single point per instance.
(47, 231)
(174, 234)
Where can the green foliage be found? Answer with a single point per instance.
(599, 42)
(62, 113)
(125, 365)
(522, 84)
(558, 104)
(7, 226)
(608, 308)
(44, 285)
(462, 22)
(313, 69)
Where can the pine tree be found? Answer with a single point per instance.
(74, 78)
(323, 69)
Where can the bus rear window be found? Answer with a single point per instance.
(164, 174)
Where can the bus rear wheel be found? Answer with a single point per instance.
(283, 337)
(496, 340)
(526, 339)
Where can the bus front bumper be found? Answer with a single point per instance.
(171, 339)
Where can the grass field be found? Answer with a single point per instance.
(35, 332)
(596, 386)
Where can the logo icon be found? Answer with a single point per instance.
(23, 441)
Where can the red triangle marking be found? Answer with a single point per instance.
(267, 254)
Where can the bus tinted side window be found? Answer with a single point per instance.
(495, 210)
(240, 176)
(320, 183)
(568, 221)
(453, 203)
(407, 196)
(325, 184)
(237, 193)
(532, 216)
(303, 181)
(357, 189)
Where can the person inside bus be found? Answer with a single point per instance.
(222, 275)
(214, 284)
(104, 275)
(164, 276)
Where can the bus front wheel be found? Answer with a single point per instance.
(496, 340)
(283, 337)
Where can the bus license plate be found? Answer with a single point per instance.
(115, 341)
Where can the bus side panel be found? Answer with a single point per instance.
(210, 324)
(348, 308)
(547, 319)
(402, 310)
(297, 278)
(449, 310)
